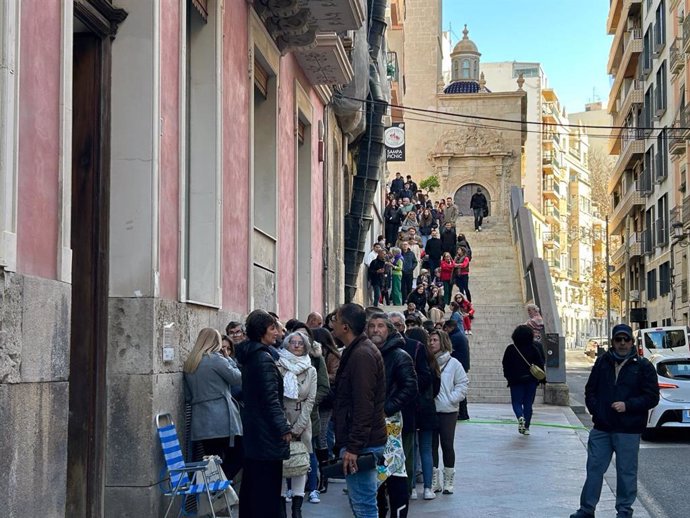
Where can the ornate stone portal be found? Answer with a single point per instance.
(475, 156)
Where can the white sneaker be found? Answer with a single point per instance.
(429, 494)
(480, 229)
(413, 494)
(526, 432)
(521, 425)
(469, 332)
(314, 497)
(288, 495)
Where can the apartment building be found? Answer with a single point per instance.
(557, 190)
(645, 180)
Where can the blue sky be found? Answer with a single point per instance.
(568, 37)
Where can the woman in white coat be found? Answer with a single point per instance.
(454, 384)
(299, 394)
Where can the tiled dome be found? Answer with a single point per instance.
(462, 87)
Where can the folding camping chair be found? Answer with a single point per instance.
(178, 472)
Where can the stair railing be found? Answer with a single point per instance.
(537, 288)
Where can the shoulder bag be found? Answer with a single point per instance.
(534, 370)
(298, 463)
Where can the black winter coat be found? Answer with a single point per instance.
(263, 416)
(424, 379)
(419, 300)
(392, 215)
(515, 369)
(449, 241)
(461, 348)
(434, 249)
(401, 379)
(637, 386)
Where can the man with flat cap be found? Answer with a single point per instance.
(621, 389)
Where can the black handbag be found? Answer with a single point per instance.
(333, 468)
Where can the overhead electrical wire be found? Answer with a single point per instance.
(423, 112)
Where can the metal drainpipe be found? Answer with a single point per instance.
(326, 211)
(371, 149)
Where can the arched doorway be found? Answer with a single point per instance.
(464, 194)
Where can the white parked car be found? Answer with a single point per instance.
(673, 410)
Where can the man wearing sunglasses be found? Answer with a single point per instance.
(621, 389)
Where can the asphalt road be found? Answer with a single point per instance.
(664, 465)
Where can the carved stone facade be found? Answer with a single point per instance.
(467, 156)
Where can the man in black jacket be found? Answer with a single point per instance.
(424, 379)
(397, 185)
(478, 204)
(267, 432)
(449, 239)
(434, 251)
(401, 394)
(620, 391)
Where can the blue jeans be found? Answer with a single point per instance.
(600, 449)
(313, 474)
(377, 294)
(362, 488)
(522, 398)
(478, 217)
(425, 450)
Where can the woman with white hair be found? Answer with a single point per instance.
(535, 321)
(216, 422)
(299, 386)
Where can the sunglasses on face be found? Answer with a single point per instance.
(621, 339)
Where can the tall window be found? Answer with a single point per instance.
(203, 168)
(465, 68)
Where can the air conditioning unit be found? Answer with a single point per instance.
(634, 295)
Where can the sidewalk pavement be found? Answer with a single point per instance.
(500, 473)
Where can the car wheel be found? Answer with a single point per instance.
(649, 434)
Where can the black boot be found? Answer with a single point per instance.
(297, 506)
(283, 511)
(322, 456)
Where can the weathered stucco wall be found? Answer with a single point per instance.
(39, 91)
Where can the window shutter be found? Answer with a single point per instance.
(260, 78)
(202, 7)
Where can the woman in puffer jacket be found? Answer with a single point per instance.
(454, 385)
(299, 394)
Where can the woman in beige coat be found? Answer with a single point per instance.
(299, 382)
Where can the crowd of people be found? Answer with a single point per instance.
(359, 383)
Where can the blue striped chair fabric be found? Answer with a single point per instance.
(178, 470)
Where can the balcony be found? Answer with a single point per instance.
(647, 242)
(326, 63)
(677, 57)
(686, 33)
(552, 189)
(685, 120)
(631, 147)
(550, 112)
(553, 215)
(628, 62)
(551, 239)
(661, 232)
(631, 200)
(340, 16)
(631, 95)
(635, 245)
(554, 263)
(676, 141)
(614, 16)
(686, 212)
(618, 256)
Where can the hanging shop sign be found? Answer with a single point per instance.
(394, 138)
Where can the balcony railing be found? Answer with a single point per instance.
(661, 232)
(552, 211)
(552, 186)
(686, 33)
(553, 262)
(676, 141)
(686, 211)
(685, 120)
(552, 237)
(392, 66)
(647, 241)
(677, 56)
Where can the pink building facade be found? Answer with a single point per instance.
(165, 166)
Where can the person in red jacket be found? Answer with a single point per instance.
(462, 279)
(466, 310)
(447, 268)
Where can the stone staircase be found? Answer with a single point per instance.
(495, 284)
